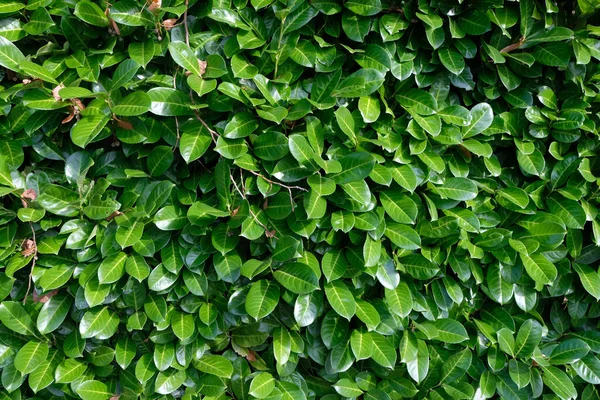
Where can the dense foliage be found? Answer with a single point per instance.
(299, 199)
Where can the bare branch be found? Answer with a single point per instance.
(178, 135)
(35, 256)
(213, 134)
(243, 195)
(185, 23)
(514, 46)
(288, 188)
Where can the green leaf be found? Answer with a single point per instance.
(215, 365)
(553, 54)
(588, 368)
(298, 18)
(31, 356)
(170, 218)
(347, 388)
(195, 141)
(539, 268)
(69, 370)
(240, 126)
(168, 102)
(141, 52)
(262, 385)
(418, 101)
(262, 299)
(384, 353)
(589, 278)
(87, 129)
(53, 313)
(183, 55)
(168, 381)
(159, 160)
(124, 73)
(559, 383)
(14, 317)
(474, 22)
(346, 123)
(112, 268)
(456, 366)
(403, 236)
(92, 14)
(366, 8)
(340, 298)
(369, 108)
(10, 56)
(125, 351)
(355, 167)
(506, 341)
(304, 53)
(361, 344)
(182, 325)
(481, 118)
(136, 103)
(297, 277)
(528, 337)
(452, 60)
(399, 300)
(367, 314)
(461, 189)
(34, 70)
(93, 390)
(451, 331)
(56, 276)
(568, 351)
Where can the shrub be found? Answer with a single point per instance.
(299, 199)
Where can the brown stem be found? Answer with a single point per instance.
(288, 188)
(514, 46)
(187, 33)
(279, 184)
(213, 134)
(178, 135)
(249, 208)
(35, 252)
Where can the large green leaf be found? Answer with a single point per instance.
(53, 313)
(559, 383)
(215, 365)
(297, 277)
(31, 356)
(451, 331)
(299, 199)
(10, 55)
(91, 13)
(183, 55)
(262, 299)
(93, 390)
(15, 317)
(87, 129)
(341, 298)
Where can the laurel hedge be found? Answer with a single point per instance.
(299, 199)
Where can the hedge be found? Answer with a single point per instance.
(299, 199)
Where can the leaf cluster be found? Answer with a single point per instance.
(299, 199)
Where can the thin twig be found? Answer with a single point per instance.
(242, 180)
(35, 252)
(187, 33)
(267, 232)
(288, 188)
(278, 183)
(178, 134)
(514, 46)
(176, 120)
(213, 134)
